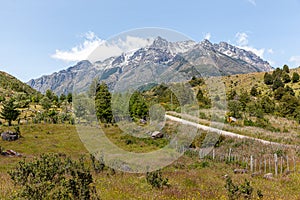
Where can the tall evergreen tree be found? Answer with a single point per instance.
(268, 79)
(103, 103)
(62, 97)
(286, 69)
(138, 106)
(9, 111)
(69, 97)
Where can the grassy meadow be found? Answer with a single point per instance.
(189, 177)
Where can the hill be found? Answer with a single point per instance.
(10, 85)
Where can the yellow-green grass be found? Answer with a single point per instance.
(187, 177)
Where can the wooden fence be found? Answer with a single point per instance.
(275, 164)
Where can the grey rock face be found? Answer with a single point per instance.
(187, 57)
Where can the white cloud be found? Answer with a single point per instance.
(95, 49)
(81, 51)
(241, 39)
(253, 2)
(270, 51)
(295, 60)
(243, 43)
(117, 47)
(207, 36)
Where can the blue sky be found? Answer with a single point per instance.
(41, 37)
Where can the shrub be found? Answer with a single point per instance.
(286, 78)
(295, 77)
(156, 180)
(244, 190)
(268, 79)
(51, 177)
(286, 69)
(253, 91)
(277, 84)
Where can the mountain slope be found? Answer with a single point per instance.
(10, 85)
(186, 57)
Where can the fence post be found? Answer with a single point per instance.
(294, 164)
(260, 163)
(276, 164)
(213, 154)
(251, 163)
(265, 166)
(269, 164)
(281, 165)
(287, 163)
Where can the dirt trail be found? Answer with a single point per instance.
(225, 133)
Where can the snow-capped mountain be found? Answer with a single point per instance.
(186, 57)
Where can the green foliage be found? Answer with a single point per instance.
(203, 100)
(10, 83)
(244, 98)
(286, 78)
(196, 81)
(267, 104)
(244, 190)
(268, 79)
(235, 107)
(289, 90)
(137, 106)
(278, 93)
(286, 69)
(255, 109)
(295, 77)
(46, 103)
(2, 98)
(232, 189)
(62, 97)
(156, 180)
(98, 165)
(277, 73)
(80, 106)
(103, 103)
(53, 115)
(69, 97)
(288, 106)
(53, 177)
(232, 95)
(51, 96)
(277, 83)
(254, 91)
(9, 111)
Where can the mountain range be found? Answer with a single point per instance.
(183, 58)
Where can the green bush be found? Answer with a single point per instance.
(244, 190)
(295, 77)
(156, 180)
(53, 177)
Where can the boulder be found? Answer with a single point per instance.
(9, 136)
(268, 176)
(240, 171)
(157, 134)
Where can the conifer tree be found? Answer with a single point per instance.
(103, 103)
(9, 111)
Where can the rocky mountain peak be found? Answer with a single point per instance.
(160, 55)
(159, 42)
